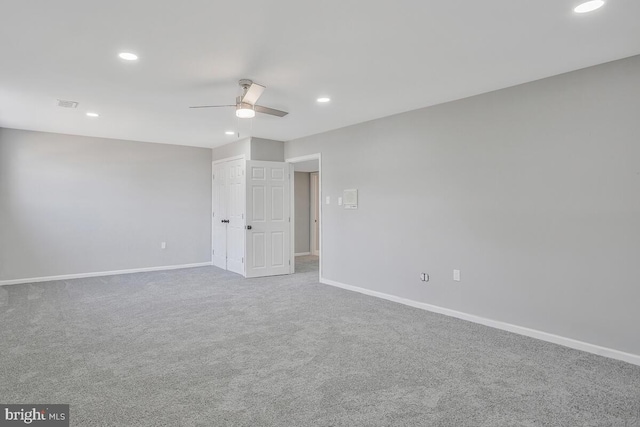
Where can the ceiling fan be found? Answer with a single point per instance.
(245, 105)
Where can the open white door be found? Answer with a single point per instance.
(268, 222)
(228, 215)
(235, 216)
(219, 216)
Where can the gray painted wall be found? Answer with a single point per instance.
(531, 191)
(267, 149)
(252, 149)
(72, 204)
(302, 212)
(233, 149)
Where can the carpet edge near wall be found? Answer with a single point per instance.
(610, 353)
(102, 273)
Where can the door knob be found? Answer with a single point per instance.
(248, 227)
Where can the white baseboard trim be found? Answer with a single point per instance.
(533, 333)
(302, 253)
(101, 273)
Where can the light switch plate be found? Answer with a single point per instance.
(456, 275)
(339, 201)
(328, 200)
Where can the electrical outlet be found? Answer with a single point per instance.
(424, 277)
(163, 245)
(456, 275)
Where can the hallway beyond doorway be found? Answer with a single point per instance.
(307, 264)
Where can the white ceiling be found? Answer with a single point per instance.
(373, 58)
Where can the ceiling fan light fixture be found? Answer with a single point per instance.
(246, 107)
(244, 112)
(589, 6)
(128, 56)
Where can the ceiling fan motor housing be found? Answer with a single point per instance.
(245, 84)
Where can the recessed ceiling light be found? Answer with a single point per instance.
(589, 6)
(128, 56)
(93, 115)
(323, 99)
(230, 132)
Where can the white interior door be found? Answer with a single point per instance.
(268, 209)
(315, 214)
(235, 216)
(219, 216)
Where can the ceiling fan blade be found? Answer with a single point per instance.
(253, 93)
(271, 111)
(212, 106)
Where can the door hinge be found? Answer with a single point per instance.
(213, 214)
(289, 219)
(213, 251)
(243, 260)
(289, 262)
(213, 177)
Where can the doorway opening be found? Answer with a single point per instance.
(307, 214)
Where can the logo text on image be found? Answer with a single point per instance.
(41, 415)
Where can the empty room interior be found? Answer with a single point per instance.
(286, 213)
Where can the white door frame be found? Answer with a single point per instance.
(315, 156)
(314, 237)
(215, 162)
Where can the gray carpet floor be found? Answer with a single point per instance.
(204, 347)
